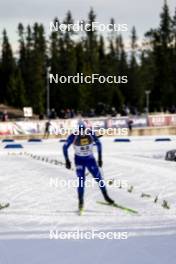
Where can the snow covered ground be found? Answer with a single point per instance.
(37, 206)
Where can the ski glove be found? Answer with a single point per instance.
(68, 164)
(100, 162)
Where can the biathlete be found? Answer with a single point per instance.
(83, 142)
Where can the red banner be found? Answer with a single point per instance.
(162, 120)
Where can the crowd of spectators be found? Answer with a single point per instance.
(101, 110)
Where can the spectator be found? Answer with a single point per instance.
(62, 114)
(92, 112)
(68, 113)
(72, 113)
(41, 116)
(5, 116)
(130, 125)
(173, 109)
(53, 114)
(113, 112)
(125, 110)
(47, 129)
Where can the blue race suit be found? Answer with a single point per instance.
(83, 146)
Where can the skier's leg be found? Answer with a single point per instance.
(95, 171)
(80, 171)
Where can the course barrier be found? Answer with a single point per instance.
(162, 139)
(7, 140)
(122, 140)
(159, 124)
(13, 146)
(62, 140)
(35, 140)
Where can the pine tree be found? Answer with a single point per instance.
(135, 93)
(23, 79)
(70, 92)
(15, 90)
(160, 40)
(54, 62)
(173, 59)
(123, 70)
(7, 67)
(91, 64)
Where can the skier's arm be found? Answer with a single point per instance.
(99, 149)
(69, 141)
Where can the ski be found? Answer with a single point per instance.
(3, 206)
(126, 209)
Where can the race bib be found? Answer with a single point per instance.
(83, 146)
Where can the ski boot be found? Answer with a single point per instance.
(81, 207)
(107, 198)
